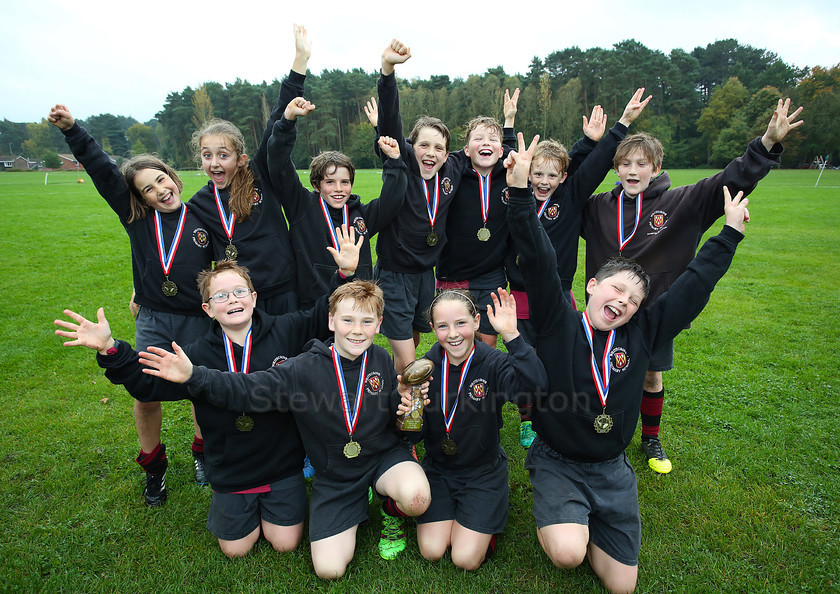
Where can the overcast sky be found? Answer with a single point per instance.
(121, 57)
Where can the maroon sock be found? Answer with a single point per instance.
(389, 506)
(197, 445)
(153, 462)
(525, 412)
(651, 413)
(491, 548)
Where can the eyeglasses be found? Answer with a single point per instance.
(222, 296)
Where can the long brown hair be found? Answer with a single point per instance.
(130, 169)
(242, 184)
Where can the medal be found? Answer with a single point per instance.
(484, 197)
(483, 234)
(228, 223)
(169, 288)
(432, 210)
(351, 417)
(352, 449)
(432, 239)
(449, 447)
(244, 423)
(622, 241)
(330, 228)
(603, 422)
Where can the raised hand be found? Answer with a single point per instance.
(518, 162)
(780, 124)
(395, 52)
(175, 367)
(61, 118)
(502, 314)
(389, 147)
(298, 107)
(634, 107)
(347, 255)
(83, 332)
(595, 126)
(509, 107)
(735, 210)
(372, 112)
(303, 49)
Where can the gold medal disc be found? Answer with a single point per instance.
(352, 449)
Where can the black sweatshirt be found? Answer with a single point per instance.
(194, 251)
(564, 417)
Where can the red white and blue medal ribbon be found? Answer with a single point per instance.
(484, 195)
(351, 417)
(543, 206)
(166, 258)
(227, 221)
(622, 241)
(246, 353)
(601, 378)
(326, 213)
(431, 205)
(449, 417)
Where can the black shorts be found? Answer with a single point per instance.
(663, 359)
(477, 499)
(235, 515)
(601, 495)
(337, 505)
(279, 304)
(407, 300)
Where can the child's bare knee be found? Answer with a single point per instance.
(566, 557)
(466, 560)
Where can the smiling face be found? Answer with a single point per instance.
(635, 172)
(545, 176)
(234, 313)
(219, 159)
(484, 148)
(354, 328)
(158, 190)
(336, 186)
(455, 328)
(614, 299)
(430, 152)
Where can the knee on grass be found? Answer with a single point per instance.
(329, 569)
(566, 557)
(467, 560)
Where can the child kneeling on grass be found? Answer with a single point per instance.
(253, 460)
(596, 363)
(344, 397)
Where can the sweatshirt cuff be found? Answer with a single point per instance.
(731, 235)
(389, 80)
(519, 195)
(124, 351)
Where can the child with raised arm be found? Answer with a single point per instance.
(660, 227)
(169, 246)
(560, 191)
(596, 363)
(464, 462)
(239, 204)
(314, 214)
(344, 397)
(253, 460)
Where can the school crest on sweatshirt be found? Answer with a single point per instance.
(478, 389)
(619, 359)
(373, 383)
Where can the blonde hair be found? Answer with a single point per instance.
(552, 151)
(205, 277)
(242, 185)
(643, 142)
(367, 296)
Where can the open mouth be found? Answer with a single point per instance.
(485, 152)
(611, 313)
(235, 310)
(218, 177)
(455, 344)
(428, 164)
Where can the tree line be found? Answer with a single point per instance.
(707, 105)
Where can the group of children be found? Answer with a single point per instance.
(454, 229)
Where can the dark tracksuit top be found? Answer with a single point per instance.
(263, 242)
(672, 220)
(310, 234)
(402, 244)
(564, 417)
(561, 217)
(194, 252)
(236, 460)
(493, 378)
(306, 386)
(465, 257)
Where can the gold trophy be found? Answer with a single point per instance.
(415, 374)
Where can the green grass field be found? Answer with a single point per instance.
(751, 423)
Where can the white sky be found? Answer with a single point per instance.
(122, 57)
